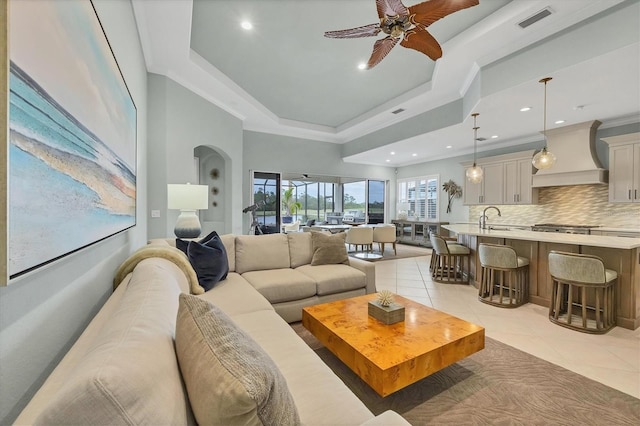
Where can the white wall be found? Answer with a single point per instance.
(42, 314)
(180, 121)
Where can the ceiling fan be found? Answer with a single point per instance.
(405, 24)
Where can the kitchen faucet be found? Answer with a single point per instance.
(483, 218)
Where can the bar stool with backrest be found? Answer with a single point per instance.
(581, 281)
(434, 255)
(449, 265)
(504, 276)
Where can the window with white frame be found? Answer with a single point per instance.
(418, 196)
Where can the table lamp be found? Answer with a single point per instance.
(187, 198)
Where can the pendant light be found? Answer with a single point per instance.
(544, 159)
(475, 173)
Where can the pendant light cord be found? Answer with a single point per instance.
(475, 136)
(544, 115)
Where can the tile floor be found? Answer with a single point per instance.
(612, 358)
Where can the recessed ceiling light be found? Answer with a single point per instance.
(246, 25)
(362, 66)
(393, 153)
(449, 146)
(494, 137)
(525, 109)
(559, 121)
(414, 155)
(388, 161)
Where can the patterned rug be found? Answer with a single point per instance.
(498, 385)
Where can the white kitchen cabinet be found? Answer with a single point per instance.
(507, 180)
(517, 182)
(489, 190)
(624, 168)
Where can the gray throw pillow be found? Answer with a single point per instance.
(230, 380)
(329, 249)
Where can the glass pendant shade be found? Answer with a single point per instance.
(543, 159)
(475, 173)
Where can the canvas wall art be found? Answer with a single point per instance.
(72, 134)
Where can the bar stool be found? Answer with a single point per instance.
(499, 262)
(434, 255)
(595, 286)
(449, 265)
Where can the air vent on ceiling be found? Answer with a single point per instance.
(481, 139)
(398, 111)
(535, 18)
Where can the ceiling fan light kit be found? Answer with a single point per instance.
(408, 25)
(475, 172)
(544, 159)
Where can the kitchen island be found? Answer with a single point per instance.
(621, 254)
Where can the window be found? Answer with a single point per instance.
(316, 199)
(267, 199)
(419, 197)
(363, 201)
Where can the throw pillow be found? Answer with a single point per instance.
(311, 222)
(182, 244)
(329, 249)
(228, 376)
(209, 260)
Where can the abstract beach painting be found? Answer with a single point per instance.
(72, 134)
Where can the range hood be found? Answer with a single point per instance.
(577, 163)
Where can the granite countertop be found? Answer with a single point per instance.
(504, 231)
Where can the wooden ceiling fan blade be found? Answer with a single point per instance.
(428, 12)
(391, 8)
(422, 41)
(370, 30)
(380, 49)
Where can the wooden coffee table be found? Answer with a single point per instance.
(391, 357)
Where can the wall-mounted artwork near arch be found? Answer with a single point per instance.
(72, 135)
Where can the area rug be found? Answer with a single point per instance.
(499, 385)
(404, 251)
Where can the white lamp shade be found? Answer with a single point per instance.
(187, 197)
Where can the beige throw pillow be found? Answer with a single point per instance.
(329, 249)
(230, 380)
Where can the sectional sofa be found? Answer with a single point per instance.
(136, 364)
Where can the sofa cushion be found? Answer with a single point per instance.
(332, 279)
(300, 248)
(229, 378)
(235, 295)
(321, 397)
(129, 374)
(281, 285)
(329, 248)
(261, 252)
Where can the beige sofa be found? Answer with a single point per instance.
(279, 267)
(124, 370)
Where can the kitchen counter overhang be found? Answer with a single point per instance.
(621, 254)
(548, 237)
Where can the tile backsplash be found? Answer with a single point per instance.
(575, 205)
